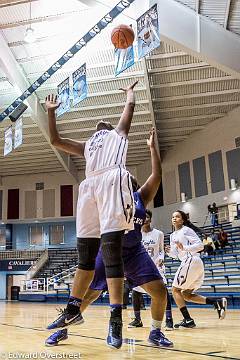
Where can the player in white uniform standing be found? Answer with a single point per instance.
(153, 241)
(185, 245)
(104, 211)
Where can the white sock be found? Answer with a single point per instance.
(156, 324)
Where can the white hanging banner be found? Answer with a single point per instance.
(124, 58)
(8, 140)
(18, 133)
(148, 34)
(63, 91)
(79, 84)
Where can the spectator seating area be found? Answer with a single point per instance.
(59, 260)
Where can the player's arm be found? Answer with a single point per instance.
(124, 123)
(150, 188)
(68, 145)
(161, 253)
(195, 244)
(171, 250)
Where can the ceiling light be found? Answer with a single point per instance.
(30, 36)
(30, 33)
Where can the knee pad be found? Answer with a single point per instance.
(111, 246)
(87, 252)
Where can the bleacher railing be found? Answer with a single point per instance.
(20, 254)
(33, 270)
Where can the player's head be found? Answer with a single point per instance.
(148, 217)
(135, 184)
(104, 125)
(179, 218)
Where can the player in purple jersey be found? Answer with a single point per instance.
(139, 268)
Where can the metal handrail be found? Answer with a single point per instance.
(33, 270)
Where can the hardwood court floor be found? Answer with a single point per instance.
(22, 333)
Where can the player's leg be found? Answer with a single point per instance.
(187, 321)
(136, 301)
(220, 304)
(115, 207)
(169, 318)
(111, 245)
(157, 290)
(62, 334)
(97, 286)
(87, 252)
(141, 271)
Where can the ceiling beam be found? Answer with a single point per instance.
(179, 67)
(189, 118)
(149, 96)
(196, 95)
(16, 76)
(197, 6)
(228, 6)
(208, 41)
(193, 82)
(41, 19)
(199, 106)
(9, 3)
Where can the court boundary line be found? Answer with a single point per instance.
(211, 354)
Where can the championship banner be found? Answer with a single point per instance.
(79, 85)
(18, 133)
(148, 34)
(124, 58)
(63, 91)
(8, 141)
(90, 34)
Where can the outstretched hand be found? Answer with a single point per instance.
(51, 102)
(151, 140)
(130, 87)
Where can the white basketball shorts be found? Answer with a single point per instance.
(105, 203)
(190, 274)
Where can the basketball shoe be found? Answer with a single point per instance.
(135, 323)
(66, 319)
(114, 338)
(56, 337)
(185, 324)
(169, 325)
(157, 338)
(221, 307)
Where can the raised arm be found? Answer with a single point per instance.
(68, 145)
(124, 123)
(150, 188)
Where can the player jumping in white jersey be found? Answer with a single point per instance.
(104, 211)
(153, 241)
(186, 245)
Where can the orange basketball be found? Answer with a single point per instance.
(122, 36)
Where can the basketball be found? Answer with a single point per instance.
(122, 36)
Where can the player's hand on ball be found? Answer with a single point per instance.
(130, 87)
(151, 140)
(51, 102)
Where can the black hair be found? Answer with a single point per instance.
(188, 223)
(149, 213)
(101, 125)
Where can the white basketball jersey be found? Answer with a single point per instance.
(153, 241)
(105, 149)
(192, 244)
